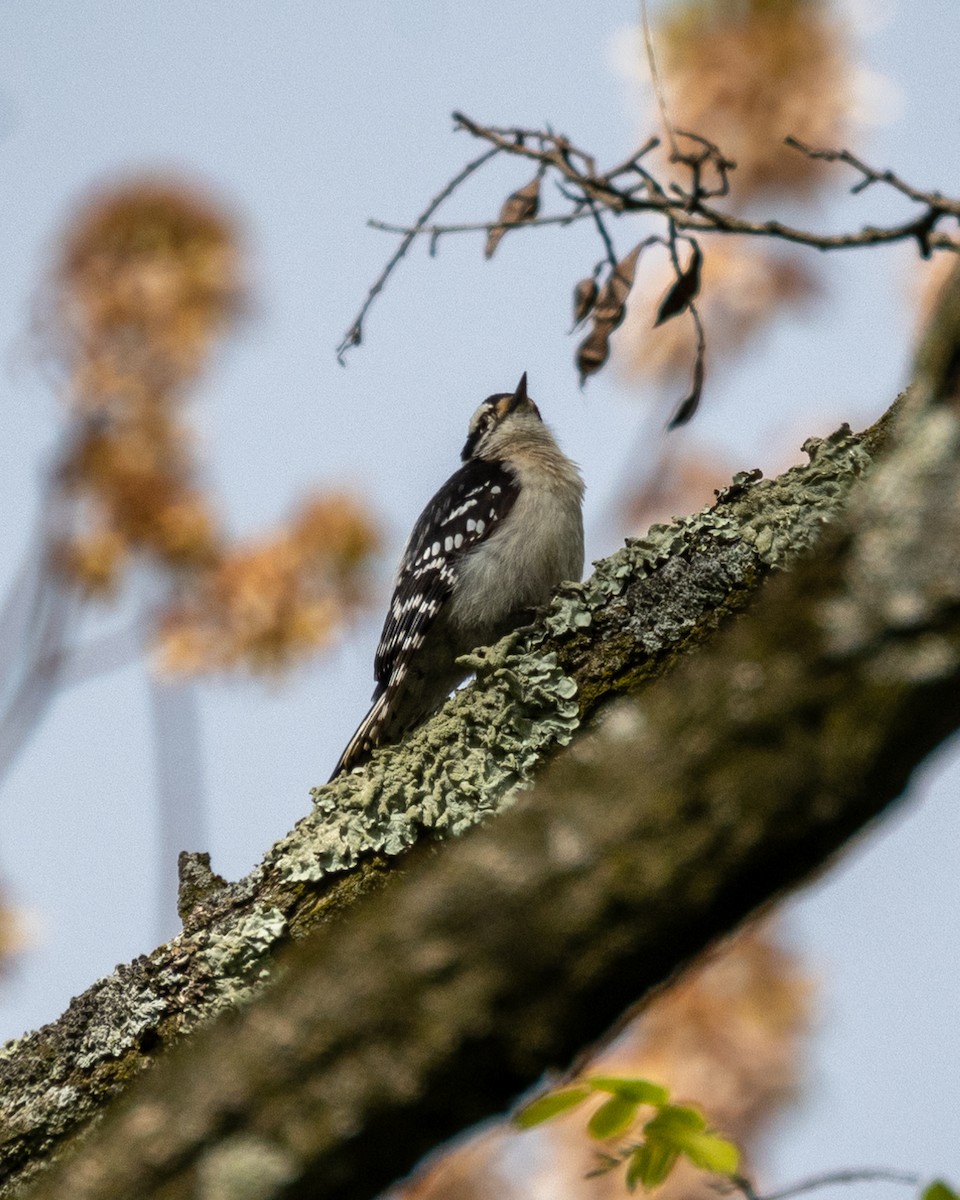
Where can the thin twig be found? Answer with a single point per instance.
(706, 219)
(655, 76)
(354, 334)
(711, 220)
(554, 150)
(829, 1179)
(709, 153)
(436, 231)
(871, 175)
(629, 164)
(604, 234)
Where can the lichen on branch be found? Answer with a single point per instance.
(642, 610)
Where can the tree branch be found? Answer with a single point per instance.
(644, 607)
(761, 755)
(432, 1003)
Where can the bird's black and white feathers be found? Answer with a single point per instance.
(471, 571)
(467, 509)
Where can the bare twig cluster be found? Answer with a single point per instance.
(689, 204)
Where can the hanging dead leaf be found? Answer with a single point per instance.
(611, 305)
(594, 350)
(584, 298)
(685, 287)
(521, 205)
(691, 402)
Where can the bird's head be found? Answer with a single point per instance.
(497, 414)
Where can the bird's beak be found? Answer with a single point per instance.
(520, 399)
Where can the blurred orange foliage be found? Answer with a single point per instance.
(746, 73)
(150, 277)
(11, 938)
(272, 603)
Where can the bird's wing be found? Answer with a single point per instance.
(463, 513)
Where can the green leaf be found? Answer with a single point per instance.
(673, 1121)
(640, 1091)
(650, 1164)
(684, 1129)
(938, 1190)
(612, 1117)
(712, 1152)
(545, 1108)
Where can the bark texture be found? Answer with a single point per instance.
(643, 608)
(481, 965)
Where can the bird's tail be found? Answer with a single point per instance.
(366, 739)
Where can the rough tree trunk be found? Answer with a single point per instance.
(397, 1018)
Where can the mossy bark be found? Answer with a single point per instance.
(426, 1007)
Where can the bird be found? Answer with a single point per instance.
(486, 553)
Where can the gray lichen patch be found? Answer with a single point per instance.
(449, 774)
(784, 517)
(125, 1018)
(662, 595)
(10, 1050)
(238, 954)
(774, 519)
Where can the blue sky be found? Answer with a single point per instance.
(308, 118)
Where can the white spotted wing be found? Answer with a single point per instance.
(465, 511)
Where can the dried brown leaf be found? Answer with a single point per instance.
(685, 287)
(584, 298)
(594, 350)
(611, 305)
(521, 205)
(742, 290)
(691, 402)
